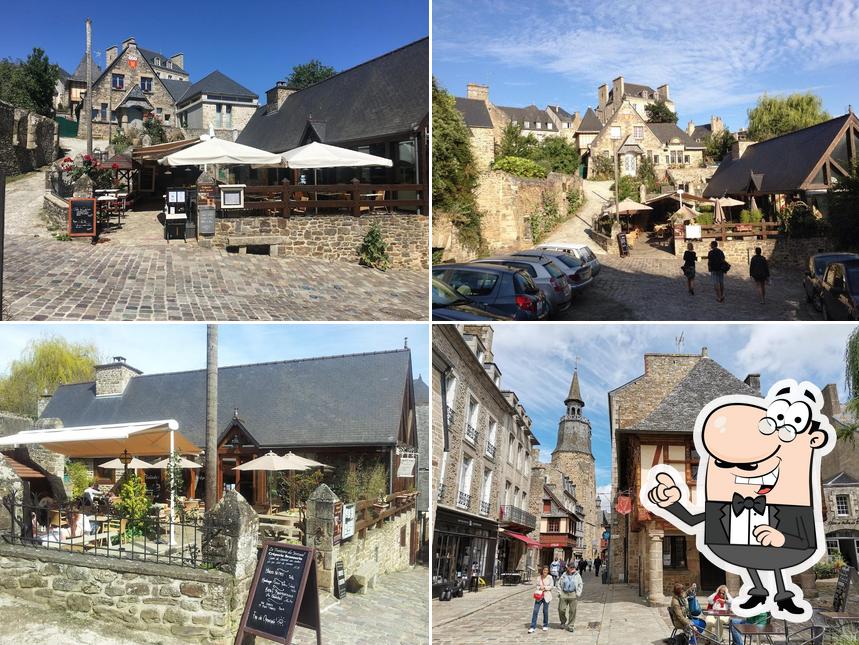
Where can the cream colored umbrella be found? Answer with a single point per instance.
(183, 463)
(273, 462)
(629, 206)
(718, 213)
(133, 464)
(310, 463)
(683, 213)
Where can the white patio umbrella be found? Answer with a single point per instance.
(310, 463)
(273, 462)
(134, 464)
(321, 155)
(183, 463)
(212, 150)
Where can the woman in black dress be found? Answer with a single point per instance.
(688, 268)
(759, 270)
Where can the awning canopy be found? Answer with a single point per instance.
(321, 155)
(522, 538)
(144, 439)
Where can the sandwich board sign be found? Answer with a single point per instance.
(283, 594)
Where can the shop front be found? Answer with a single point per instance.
(463, 550)
(517, 556)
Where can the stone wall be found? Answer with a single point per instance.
(199, 606)
(580, 468)
(56, 211)
(331, 237)
(780, 250)
(27, 140)
(483, 147)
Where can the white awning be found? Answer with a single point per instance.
(143, 439)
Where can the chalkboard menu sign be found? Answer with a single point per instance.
(82, 217)
(842, 588)
(622, 244)
(339, 580)
(283, 594)
(205, 220)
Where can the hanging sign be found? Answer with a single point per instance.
(407, 467)
(348, 522)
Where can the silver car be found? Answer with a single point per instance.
(545, 273)
(578, 272)
(581, 251)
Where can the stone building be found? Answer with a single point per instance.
(573, 457)
(628, 134)
(610, 100)
(27, 140)
(560, 530)
(218, 100)
(475, 113)
(75, 87)
(700, 133)
(482, 443)
(651, 420)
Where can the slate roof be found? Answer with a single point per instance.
(632, 89)
(701, 132)
(575, 392)
(784, 162)
(64, 75)
(217, 83)
(590, 122)
(134, 95)
(299, 403)
(667, 131)
(474, 112)
(704, 382)
(421, 391)
(561, 112)
(532, 114)
(385, 96)
(80, 71)
(150, 56)
(841, 479)
(175, 87)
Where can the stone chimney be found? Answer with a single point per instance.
(617, 89)
(662, 92)
(111, 379)
(178, 60)
(831, 403)
(602, 95)
(42, 403)
(690, 128)
(485, 334)
(275, 97)
(129, 41)
(109, 55)
(739, 148)
(754, 382)
(705, 353)
(477, 91)
(716, 124)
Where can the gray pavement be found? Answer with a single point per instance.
(606, 615)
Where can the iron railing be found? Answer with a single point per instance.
(441, 488)
(509, 514)
(471, 433)
(484, 508)
(192, 539)
(463, 499)
(490, 450)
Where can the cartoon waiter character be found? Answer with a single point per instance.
(759, 478)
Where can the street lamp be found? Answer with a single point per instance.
(614, 134)
(125, 458)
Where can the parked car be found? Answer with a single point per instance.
(814, 274)
(447, 304)
(581, 251)
(502, 290)
(545, 273)
(839, 291)
(578, 272)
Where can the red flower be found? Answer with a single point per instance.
(115, 166)
(87, 158)
(68, 159)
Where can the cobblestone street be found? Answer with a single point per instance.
(606, 615)
(50, 280)
(648, 288)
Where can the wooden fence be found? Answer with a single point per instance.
(354, 197)
(724, 230)
(370, 513)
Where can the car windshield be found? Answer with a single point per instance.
(470, 282)
(443, 295)
(823, 261)
(570, 260)
(853, 280)
(553, 270)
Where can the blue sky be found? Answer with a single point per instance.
(612, 355)
(717, 57)
(155, 348)
(253, 42)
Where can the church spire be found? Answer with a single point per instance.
(575, 394)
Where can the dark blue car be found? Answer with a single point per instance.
(504, 290)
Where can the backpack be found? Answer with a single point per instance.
(568, 584)
(678, 639)
(694, 606)
(553, 568)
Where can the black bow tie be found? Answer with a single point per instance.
(740, 503)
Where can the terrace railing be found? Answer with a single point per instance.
(724, 230)
(509, 514)
(370, 513)
(189, 540)
(353, 197)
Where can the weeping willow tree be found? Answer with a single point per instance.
(851, 380)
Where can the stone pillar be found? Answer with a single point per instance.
(655, 595)
(319, 523)
(733, 582)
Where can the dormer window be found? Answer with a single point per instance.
(169, 64)
(157, 61)
(527, 124)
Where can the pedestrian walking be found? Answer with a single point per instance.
(542, 598)
(582, 565)
(555, 569)
(570, 588)
(718, 267)
(759, 269)
(688, 268)
(597, 565)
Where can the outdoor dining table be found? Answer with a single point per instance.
(748, 631)
(718, 614)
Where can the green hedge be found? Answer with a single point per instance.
(520, 167)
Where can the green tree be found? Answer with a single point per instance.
(646, 174)
(718, 145)
(45, 365)
(133, 503)
(309, 73)
(627, 188)
(851, 380)
(30, 83)
(79, 477)
(514, 144)
(556, 154)
(659, 112)
(774, 116)
(520, 166)
(843, 207)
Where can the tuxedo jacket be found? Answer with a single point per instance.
(795, 522)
